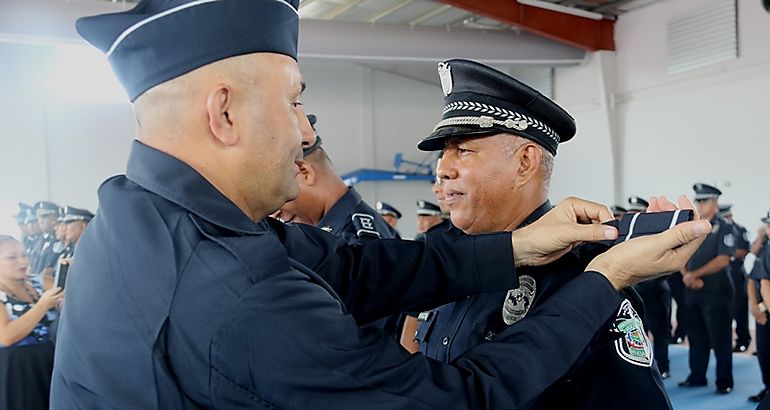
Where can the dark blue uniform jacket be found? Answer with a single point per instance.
(615, 371)
(177, 300)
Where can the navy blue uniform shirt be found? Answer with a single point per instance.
(741, 236)
(620, 352)
(721, 241)
(355, 221)
(178, 300)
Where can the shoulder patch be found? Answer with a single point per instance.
(729, 240)
(364, 224)
(634, 347)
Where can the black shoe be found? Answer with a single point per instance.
(688, 383)
(724, 390)
(665, 375)
(758, 397)
(740, 348)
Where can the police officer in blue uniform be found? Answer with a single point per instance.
(738, 276)
(24, 220)
(184, 294)
(326, 202)
(618, 211)
(430, 217)
(656, 296)
(710, 294)
(759, 277)
(498, 138)
(47, 214)
(389, 213)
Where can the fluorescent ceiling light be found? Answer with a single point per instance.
(562, 9)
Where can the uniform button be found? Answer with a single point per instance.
(445, 341)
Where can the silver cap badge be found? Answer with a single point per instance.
(445, 74)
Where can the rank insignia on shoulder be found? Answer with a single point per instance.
(634, 347)
(364, 225)
(518, 301)
(327, 229)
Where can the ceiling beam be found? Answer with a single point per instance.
(588, 34)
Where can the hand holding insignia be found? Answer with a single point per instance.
(652, 256)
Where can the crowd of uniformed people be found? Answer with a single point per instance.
(231, 267)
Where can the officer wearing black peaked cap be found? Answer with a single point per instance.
(498, 138)
(711, 295)
(389, 213)
(211, 304)
(737, 274)
(26, 220)
(47, 213)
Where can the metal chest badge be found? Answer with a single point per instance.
(445, 74)
(518, 301)
(634, 347)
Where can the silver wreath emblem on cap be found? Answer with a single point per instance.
(518, 301)
(445, 74)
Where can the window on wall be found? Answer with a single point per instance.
(81, 73)
(706, 35)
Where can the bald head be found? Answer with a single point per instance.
(238, 122)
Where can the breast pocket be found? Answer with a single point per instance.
(427, 322)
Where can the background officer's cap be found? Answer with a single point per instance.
(637, 204)
(72, 214)
(386, 209)
(618, 210)
(308, 149)
(705, 191)
(159, 40)
(766, 218)
(25, 212)
(479, 101)
(44, 208)
(725, 209)
(426, 208)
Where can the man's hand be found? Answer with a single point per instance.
(652, 256)
(691, 281)
(759, 316)
(573, 221)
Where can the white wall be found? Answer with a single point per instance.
(61, 148)
(708, 125)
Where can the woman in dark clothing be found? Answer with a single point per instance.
(26, 350)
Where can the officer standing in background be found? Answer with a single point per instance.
(389, 213)
(47, 217)
(618, 211)
(210, 304)
(710, 293)
(760, 278)
(429, 216)
(326, 202)
(26, 229)
(495, 176)
(738, 276)
(656, 295)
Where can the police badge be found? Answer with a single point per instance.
(519, 300)
(445, 74)
(634, 347)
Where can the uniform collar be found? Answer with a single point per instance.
(174, 180)
(536, 214)
(338, 215)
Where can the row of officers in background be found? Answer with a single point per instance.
(711, 293)
(49, 234)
